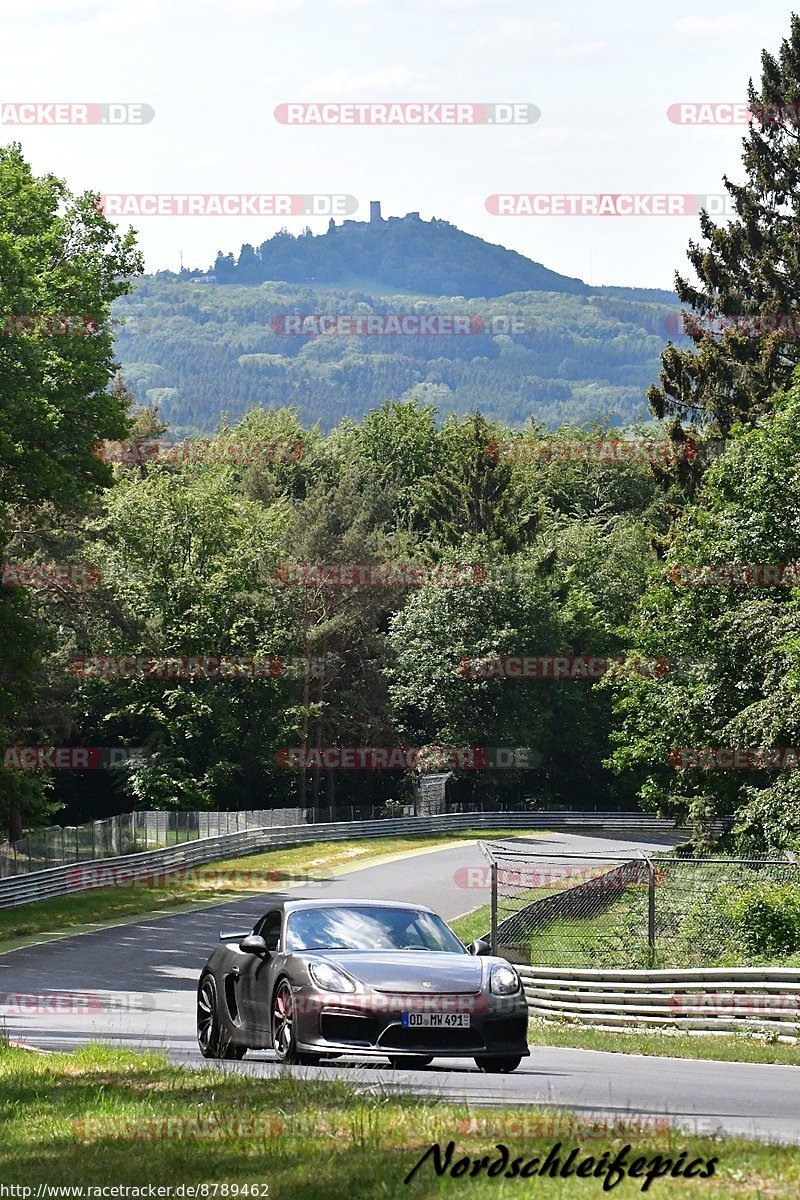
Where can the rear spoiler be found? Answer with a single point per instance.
(236, 936)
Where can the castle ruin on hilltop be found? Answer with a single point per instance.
(375, 218)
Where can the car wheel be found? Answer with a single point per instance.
(500, 1065)
(409, 1062)
(284, 1033)
(209, 1031)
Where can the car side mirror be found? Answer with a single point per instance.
(479, 947)
(253, 944)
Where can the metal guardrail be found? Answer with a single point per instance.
(694, 1000)
(58, 881)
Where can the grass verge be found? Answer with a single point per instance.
(210, 884)
(723, 1047)
(102, 1117)
(473, 925)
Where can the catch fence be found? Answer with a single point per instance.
(134, 832)
(641, 912)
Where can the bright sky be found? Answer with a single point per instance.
(603, 76)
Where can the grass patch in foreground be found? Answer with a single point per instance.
(473, 925)
(74, 1119)
(549, 941)
(590, 942)
(82, 910)
(723, 1047)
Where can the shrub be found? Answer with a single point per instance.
(766, 918)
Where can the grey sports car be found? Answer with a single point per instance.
(317, 979)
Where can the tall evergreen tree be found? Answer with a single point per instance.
(749, 267)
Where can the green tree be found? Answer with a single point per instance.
(188, 558)
(345, 518)
(61, 266)
(734, 650)
(475, 494)
(402, 446)
(530, 605)
(749, 267)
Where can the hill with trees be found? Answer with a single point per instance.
(199, 349)
(406, 254)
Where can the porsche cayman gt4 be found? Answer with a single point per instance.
(317, 979)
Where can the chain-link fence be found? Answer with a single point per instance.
(130, 833)
(659, 910)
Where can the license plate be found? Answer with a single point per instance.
(435, 1020)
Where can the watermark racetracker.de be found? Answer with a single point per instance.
(67, 1003)
(735, 758)
(216, 450)
(749, 325)
(382, 112)
(561, 1125)
(43, 112)
(198, 666)
(408, 758)
(420, 324)
(733, 1005)
(510, 666)
(730, 112)
(129, 875)
(48, 325)
(380, 574)
(607, 204)
(49, 575)
(95, 1129)
(525, 878)
(67, 758)
(226, 204)
(605, 450)
(729, 575)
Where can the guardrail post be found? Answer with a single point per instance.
(493, 902)
(651, 913)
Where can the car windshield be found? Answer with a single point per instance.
(368, 928)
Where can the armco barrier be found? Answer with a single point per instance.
(696, 1000)
(58, 881)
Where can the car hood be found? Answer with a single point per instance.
(410, 971)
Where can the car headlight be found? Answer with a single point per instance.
(504, 981)
(330, 978)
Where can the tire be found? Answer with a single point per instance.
(212, 1042)
(284, 1032)
(410, 1062)
(501, 1065)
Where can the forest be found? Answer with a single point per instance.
(198, 349)
(546, 548)
(564, 605)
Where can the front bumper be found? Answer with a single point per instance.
(371, 1027)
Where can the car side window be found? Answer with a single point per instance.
(269, 927)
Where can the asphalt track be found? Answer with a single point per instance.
(133, 985)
